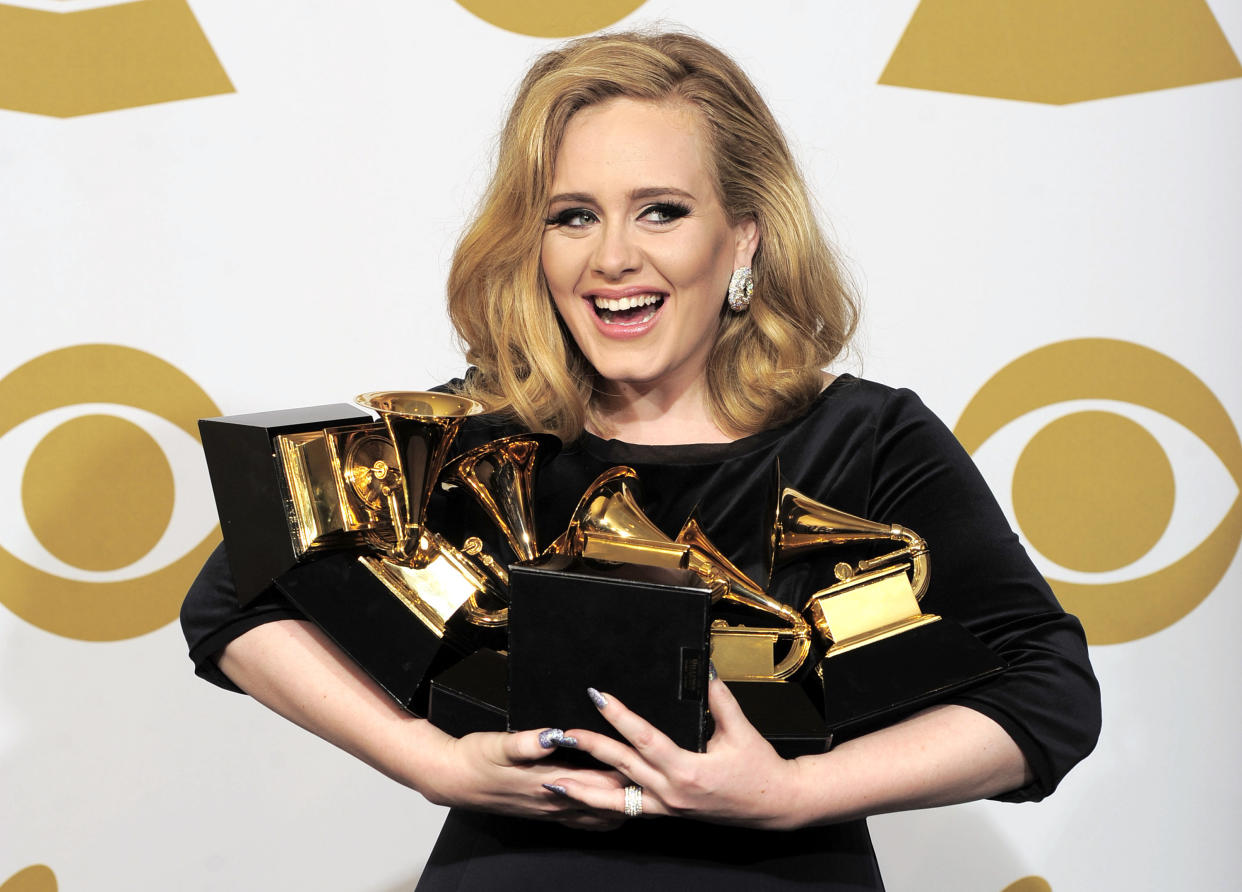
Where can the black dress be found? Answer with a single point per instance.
(863, 448)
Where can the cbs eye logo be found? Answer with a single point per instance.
(1125, 481)
(105, 506)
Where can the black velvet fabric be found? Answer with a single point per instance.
(485, 852)
(863, 448)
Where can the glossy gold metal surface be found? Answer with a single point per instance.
(740, 645)
(801, 524)
(608, 524)
(743, 653)
(363, 459)
(609, 521)
(433, 578)
(421, 426)
(866, 608)
(323, 509)
(433, 591)
(647, 552)
(368, 485)
(501, 476)
(313, 509)
(875, 599)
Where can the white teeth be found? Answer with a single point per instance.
(616, 304)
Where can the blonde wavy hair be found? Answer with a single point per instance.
(766, 365)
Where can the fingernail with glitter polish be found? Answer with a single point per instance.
(550, 737)
(557, 789)
(568, 742)
(597, 698)
(711, 671)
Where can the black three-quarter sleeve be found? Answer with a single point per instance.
(1048, 699)
(211, 616)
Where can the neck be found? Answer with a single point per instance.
(656, 416)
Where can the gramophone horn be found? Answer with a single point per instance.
(707, 558)
(609, 525)
(501, 476)
(803, 525)
(711, 563)
(422, 426)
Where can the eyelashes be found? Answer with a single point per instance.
(660, 213)
(668, 211)
(574, 218)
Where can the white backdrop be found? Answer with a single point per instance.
(285, 243)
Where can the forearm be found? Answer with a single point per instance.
(295, 670)
(946, 755)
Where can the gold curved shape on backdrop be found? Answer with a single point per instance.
(1060, 51)
(1110, 453)
(100, 373)
(1101, 368)
(97, 463)
(106, 58)
(1029, 884)
(551, 18)
(35, 878)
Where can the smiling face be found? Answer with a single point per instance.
(638, 250)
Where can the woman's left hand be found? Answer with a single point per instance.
(739, 780)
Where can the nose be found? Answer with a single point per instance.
(616, 252)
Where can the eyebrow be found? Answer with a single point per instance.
(633, 195)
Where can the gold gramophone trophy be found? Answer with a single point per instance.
(473, 694)
(872, 600)
(614, 604)
(756, 658)
(500, 476)
(357, 556)
(608, 524)
(885, 657)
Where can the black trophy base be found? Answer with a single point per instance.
(249, 489)
(373, 626)
(472, 695)
(879, 684)
(639, 633)
(784, 714)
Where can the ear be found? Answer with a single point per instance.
(746, 232)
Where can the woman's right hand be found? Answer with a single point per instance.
(294, 669)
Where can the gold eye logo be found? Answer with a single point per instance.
(551, 18)
(82, 59)
(105, 504)
(1094, 493)
(1060, 51)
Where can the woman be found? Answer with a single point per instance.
(646, 273)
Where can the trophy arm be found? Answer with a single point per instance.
(921, 575)
(798, 652)
(483, 573)
(915, 551)
(799, 629)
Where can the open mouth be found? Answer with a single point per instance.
(627, 310)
